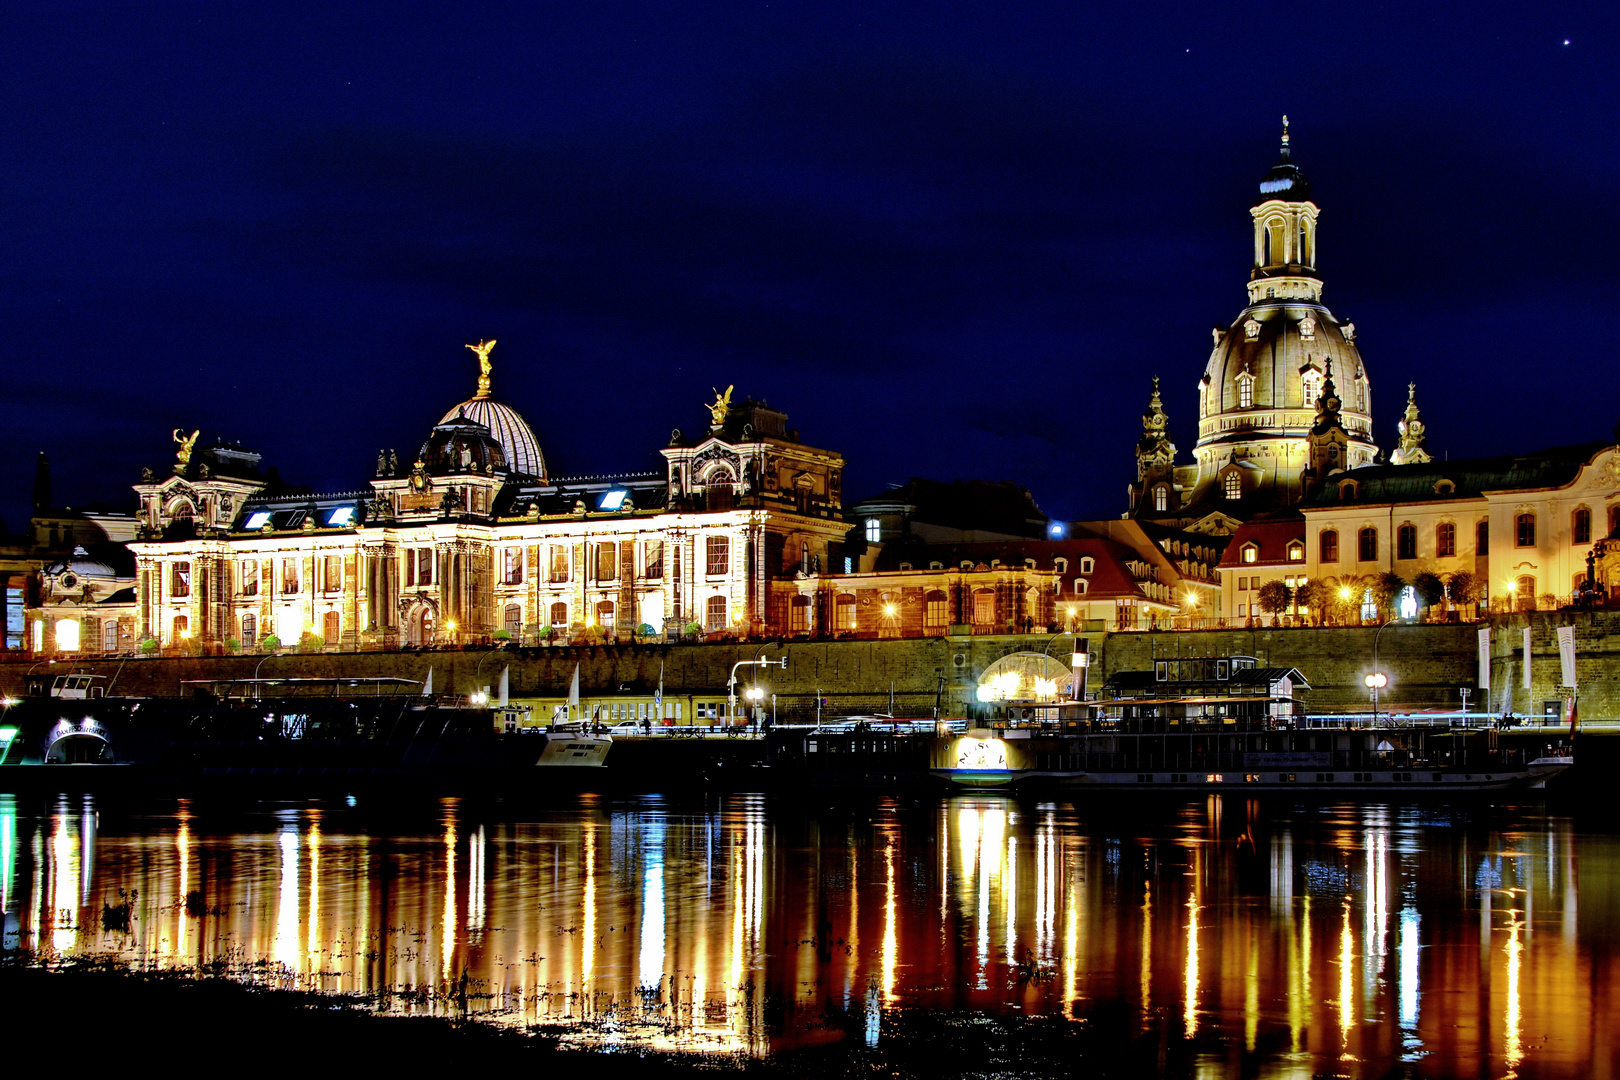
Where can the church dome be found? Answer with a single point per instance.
(458, 445)
(520, 449)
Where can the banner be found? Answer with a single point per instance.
(1485, 657)
(1525, 682)
(1566, 654)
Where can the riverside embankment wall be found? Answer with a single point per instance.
(1426, 665)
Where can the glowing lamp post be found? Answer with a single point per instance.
(1376, 681)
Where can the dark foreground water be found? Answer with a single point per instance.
(1222, 937)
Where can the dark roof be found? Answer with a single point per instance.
(1284, 181)
(1109, 576)
(1417, 483)
(967, 505)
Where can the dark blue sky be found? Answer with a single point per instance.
(949, 240)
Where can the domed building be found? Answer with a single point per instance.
(521, 448)
(1284, 368)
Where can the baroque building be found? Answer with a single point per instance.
(1273, 421)
(471, 538)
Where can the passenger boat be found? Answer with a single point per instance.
(564, 745)
(1227, 723)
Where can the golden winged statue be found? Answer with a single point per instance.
(183, 455)
(721, 406)
(483, 349)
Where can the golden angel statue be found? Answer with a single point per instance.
(721, 406)
(183, 455)
(483, 349)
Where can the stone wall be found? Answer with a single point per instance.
(1426, 665)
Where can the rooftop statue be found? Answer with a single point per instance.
(483, 349)
(721, 406)
(182, 456)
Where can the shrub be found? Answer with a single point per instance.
(231, 645)
(693, 629)
(149, 646)
(270, 643)
(546, 632)
(645, 630)
(502, 635)
(311, 640)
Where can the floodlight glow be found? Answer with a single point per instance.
(612, 500)
(343, 515)
(257, 520)
(1045, 688)
(7, 734)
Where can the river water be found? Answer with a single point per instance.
(1216, 937)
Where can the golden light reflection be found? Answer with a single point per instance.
(447, 923)
(313, 947)
(1347, 981)
(891, 941)
(1145, 976)
(1189, 1012)
(1513, 1019)
(1251, 994)
(182, 848)
(64, 882)
(286, 940)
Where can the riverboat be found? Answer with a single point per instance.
(1230, 724)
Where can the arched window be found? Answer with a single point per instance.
(1524, 592)
(604, 614)
(799, 615)
(250, 629)
(1327, 546)
(559, 614)
(874, 530)
(1580, 526)
(984, 607)
(1524, 530)
(182, 629)
(1161, 499)
(1232, 485)
(1245, 388)
(1406, 542)
(1445, 540)
(1367, 545)
(513, 619)
(844, 609)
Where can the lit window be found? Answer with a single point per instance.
(342, 516)
(873, 530)
(512, 566)
(1161, 499)
(250, 577)
(1233, 484)
(1296, 552)
(67, 635)
(718, 563)
(257, 520)
(612, 500)
(715, 613)
(934, 614)
(1245, 392)
(1251, 553)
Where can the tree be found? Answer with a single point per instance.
(1274, 597)
(1386, 590)
(1463, 588)
(1430, 589)
(269, 643)
(1314, 595)
(1344, 598)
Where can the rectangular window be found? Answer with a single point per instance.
(1482, 538)
(408, 558)
(1406, 542)
(655, 560)
(1525, 530)
(934, 611)
(512, 566)
(715, 613)
(250, 577)
(1368, 540)
(332, 573)
(250, 629)
(1328, 546)
(289, 575)
(559, 564)
(424, 566)
(607, 562)
(180, 579)
(719, 560)
(559, 614)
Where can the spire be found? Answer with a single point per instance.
(42, 482)
(1411, 450)
(1155, 453)
(1285, 137)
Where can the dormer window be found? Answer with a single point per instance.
(1087, 564)
(1296, 551)
(1232, 485)
(1161, 499)
(1444, 487)
(1060, 564)
(1250, 553)
(1349, 490)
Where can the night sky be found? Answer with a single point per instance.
(950, 240)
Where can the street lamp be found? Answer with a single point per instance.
(1377, 679)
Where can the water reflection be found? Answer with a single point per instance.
(1348, 939)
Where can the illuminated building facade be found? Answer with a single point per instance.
(473, 540)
